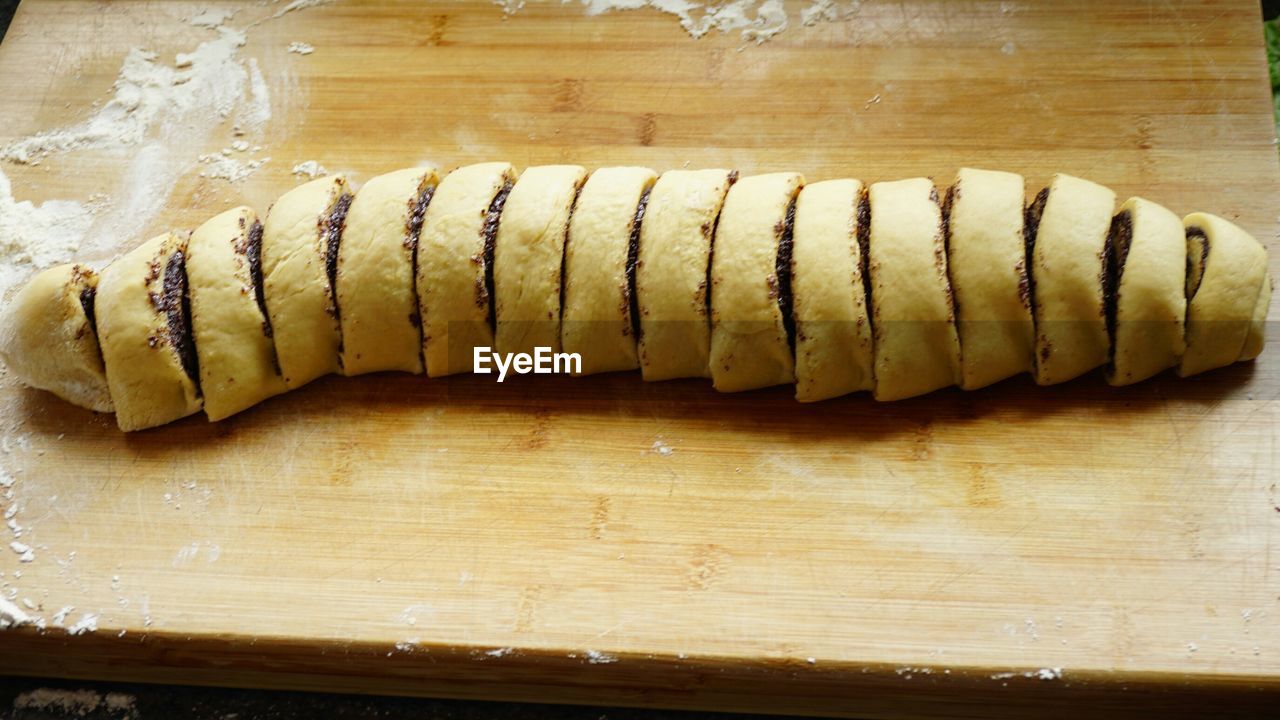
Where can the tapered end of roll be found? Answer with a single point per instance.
(49, 341)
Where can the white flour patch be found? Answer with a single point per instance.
(86, 624)
(12, 616)
(310, 169)
(212, 18)
(660, 447)
(36, 236)
(595, 657)
(221, 166)
(499, 652)
(300, 5)
(301, 48)
(756, 20)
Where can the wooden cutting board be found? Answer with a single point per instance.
(1010, 551)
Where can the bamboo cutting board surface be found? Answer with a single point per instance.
(1013, 550)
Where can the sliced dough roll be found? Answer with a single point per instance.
(375, 277)
(987, 260)
(671, 272)
(300, 239)
(916, 347)
(143, 328)
(751, 321)
(828, 299)
(455, 265)
(229, 324)
(528, 257)
(1147, 303)
(1071, 219)
(1226, 283)
(599, 311)
(49, 341)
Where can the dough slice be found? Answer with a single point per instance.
(1146, 270)
(916, 347)
(1256, 339)
(1071, 219)
(1226, 281)
(455, 265)
(833, 333)
(300, 239)
(987, 260)
(751, 322)
(600, 314)
(143, 328)
(49, 341)
(528, 257)
(671, 272)
(375, 278)
(229, 324)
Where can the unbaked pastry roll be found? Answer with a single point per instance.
(528, 257)
(987, 260)
(1067, 228)
(49, 340)
(300, 239)
(599, 317)
(1146, 302)
(751, 321)
(143, 328)
(916, 347)
(672, 269)
(1226, 283)
(375, 277)
(229, 325)
(828, 299)
(455, 265)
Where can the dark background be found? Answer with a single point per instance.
(195, 703)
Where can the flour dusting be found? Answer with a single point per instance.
(755, 20)
(301, 48)
(36, 236)
(310, 169)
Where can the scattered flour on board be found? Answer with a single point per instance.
(660, 447)
(757, 20)
(36, 236)
(300, 5)
(78, 703)
(86, 624)
(301, 48)
(310, 169)
(595, 657)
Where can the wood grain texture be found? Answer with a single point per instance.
(742, 551)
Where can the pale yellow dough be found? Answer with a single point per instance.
(987, 261)
(453, 298)
(1151, 302)
(833, 332)
(148, 383)
(749, 344)
(48, 342)
(300, 299)
(671, 272)
(377, 303)
(1224, 294)
(528, 258)
(596, 319)
(916, 347)
(1066, 271)
(237, 356)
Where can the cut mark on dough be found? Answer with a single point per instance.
(863, 215)
(782, 271)
(253, 254)
(412, 234)
(175, 303)
(564, 250)
(1031, 221)
(87, 298)
(1115, 254)
(492, 218)
(334, 223)
(709, 231)
(948, 202)
(1197, 258)
(633, 259)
